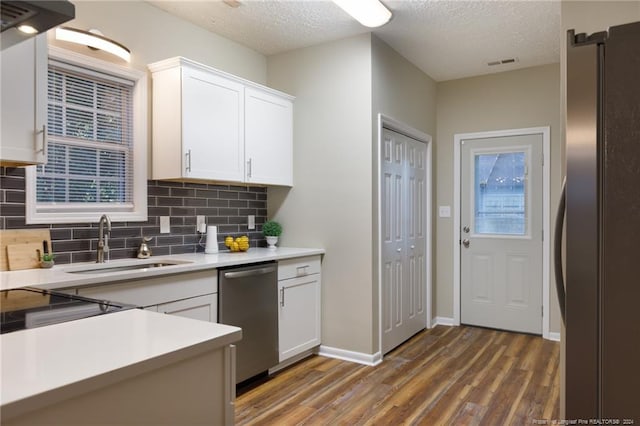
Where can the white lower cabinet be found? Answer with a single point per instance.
(203, 308)
(192, 294)
(299, 313)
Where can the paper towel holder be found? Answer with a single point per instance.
(212, 240)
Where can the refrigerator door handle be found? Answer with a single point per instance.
(557, 250)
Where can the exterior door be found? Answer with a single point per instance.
(404, 263)
(501, 233)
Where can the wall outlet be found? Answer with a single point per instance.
(444, 211)
(251, 222)
(165, 225)
(201, 225)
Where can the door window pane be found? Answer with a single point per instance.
(499, 189)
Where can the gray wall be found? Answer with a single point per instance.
(329, 205)
(528, 97)
(340, 88)
(405, 93)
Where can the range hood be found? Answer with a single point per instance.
(41, 15)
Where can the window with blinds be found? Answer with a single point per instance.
(96, 143)
(90, 139)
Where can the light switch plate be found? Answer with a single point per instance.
(251, 222)
(165, 225)
(444, 211)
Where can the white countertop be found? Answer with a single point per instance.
(44, 365)
(60, 276)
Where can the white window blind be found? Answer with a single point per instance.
(90, 141)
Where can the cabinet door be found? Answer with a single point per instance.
(212, 126)
(299, 315)
(203, 308)
(268, 138)
(24, 102)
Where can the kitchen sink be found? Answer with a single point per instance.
(102, 269)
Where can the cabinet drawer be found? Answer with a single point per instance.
(158, 290)
(298, 267)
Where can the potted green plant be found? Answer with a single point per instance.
(46, 261)
(271, 230)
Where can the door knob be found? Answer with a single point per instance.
(412, 247)
(466, 229)
(398, 250)
(465, 242)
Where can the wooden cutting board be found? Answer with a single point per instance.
(24, 256)
(21, 236)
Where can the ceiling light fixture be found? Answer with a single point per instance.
(93, 39)
(370, 13)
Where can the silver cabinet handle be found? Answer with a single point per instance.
(301, 270)
(44, 139)
(466, 242)
(282, 297)
(187, 157)
(249, 167)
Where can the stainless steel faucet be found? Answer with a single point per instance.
(103, 238)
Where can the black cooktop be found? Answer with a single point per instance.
(29, 308)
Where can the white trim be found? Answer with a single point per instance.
(445, 321)
(553, 335)
(385, 121)
(140, 122)
(546, 194)
(290, 361)
(351, 356)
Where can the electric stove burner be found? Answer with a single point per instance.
(29, 308)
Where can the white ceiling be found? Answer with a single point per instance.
(447, 39)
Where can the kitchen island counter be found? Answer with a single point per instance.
(99, 363)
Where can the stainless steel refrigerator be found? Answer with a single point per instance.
(601, 306)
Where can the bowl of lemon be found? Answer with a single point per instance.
(237, 244)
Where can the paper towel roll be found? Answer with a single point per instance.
(212, 240)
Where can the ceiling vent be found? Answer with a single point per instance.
(503, 62)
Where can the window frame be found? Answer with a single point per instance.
(89, 214)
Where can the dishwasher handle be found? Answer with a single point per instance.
(250, 272)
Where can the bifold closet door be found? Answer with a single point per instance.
(403, 220)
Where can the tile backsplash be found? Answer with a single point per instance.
(226, 206)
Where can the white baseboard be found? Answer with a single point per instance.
(555, 336)
(345, 355)
(443, 321)
(286, 363)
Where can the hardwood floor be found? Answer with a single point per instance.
(443, 376)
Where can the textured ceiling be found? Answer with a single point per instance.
(446, 39)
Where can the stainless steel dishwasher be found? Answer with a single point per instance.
(248, 298)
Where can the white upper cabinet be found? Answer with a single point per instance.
(268, 138)
(24, 102)
(223, 128)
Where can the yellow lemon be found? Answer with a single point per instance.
(235, 247)
(228, 241)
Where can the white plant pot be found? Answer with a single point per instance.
(272, 241)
